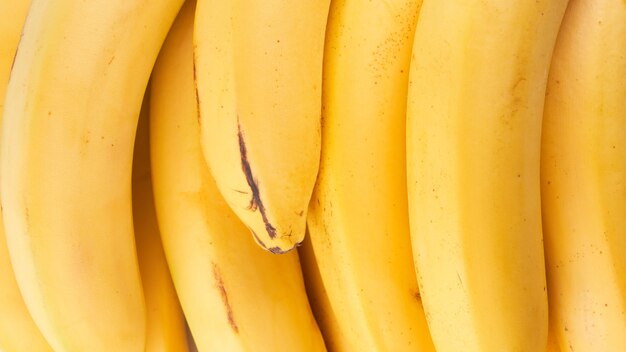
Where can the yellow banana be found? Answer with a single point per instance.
(583, 178)
(165, 323)
(476, 94)
(69, 124)
(318, 298)
(358, 217)
(236, 297)
(18, 332)
(259, 76)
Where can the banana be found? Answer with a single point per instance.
(476, 95)
(70, 116)
(18, 332)
(236, 297)
(583, 178)
(259, 75)
(318, 298)
(165, 323)
(358, 217)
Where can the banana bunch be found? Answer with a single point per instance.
(335, 175)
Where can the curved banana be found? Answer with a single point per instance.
(259, 77)
(318, 298)
(236, 297)
(476, 96)
(18, 332)
(583, 174)
(165, 323)
(69, 124)
(358, 217)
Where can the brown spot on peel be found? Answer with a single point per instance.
(416, 294)
(13, 62)
(16, 51)
(255, 202)
(195, 86)
(219, 282)
(274, 250)
(277, 250)
(252, 206)
(257, 239)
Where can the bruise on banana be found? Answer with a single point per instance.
(219, 282)
(14, 56)
(274, 250)
(195, 86)
(255, 202)
(417, 295)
